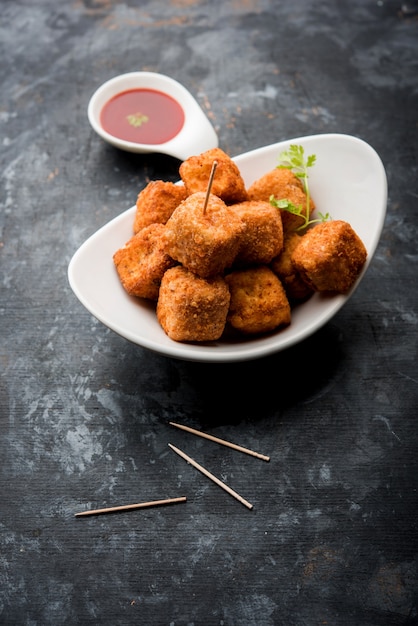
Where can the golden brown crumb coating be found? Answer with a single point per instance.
(330, 256)
(262, 239)
(191, 308)
(258, 301)
(142, 262)
(156, 202)
(295, 287)
(228, 183)
(283, 185)
(204, 242)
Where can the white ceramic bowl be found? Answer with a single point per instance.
(348, 181)
(196, 136)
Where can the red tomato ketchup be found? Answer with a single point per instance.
(142, 116)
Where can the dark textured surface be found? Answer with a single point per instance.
(333, 536)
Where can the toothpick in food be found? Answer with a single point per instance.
(212, 174)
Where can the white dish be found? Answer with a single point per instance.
(348, 180)
(196, 136)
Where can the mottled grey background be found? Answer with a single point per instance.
(333, 537)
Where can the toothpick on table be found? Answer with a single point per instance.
(211, 476)
(234, 446)
(212, 174)
(130, 507)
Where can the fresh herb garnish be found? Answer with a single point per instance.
(294, 160)
(137, 119)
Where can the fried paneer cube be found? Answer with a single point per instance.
(156, 202)
(330, 256)
(283, 184)
(228, 183)
(205, 242)
(296, 288)
(191, 308)
(258, 301)
(262, 239)
(143, 261)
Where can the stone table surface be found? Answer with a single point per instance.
(333, 536)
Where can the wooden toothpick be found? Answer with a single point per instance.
(130, 507)
(212, 174)
(212, 477)
(199, 433)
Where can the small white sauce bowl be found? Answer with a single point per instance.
(196, 136)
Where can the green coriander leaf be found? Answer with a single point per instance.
(294, 159)
(324, 218)
(285, 204)
(311, 160)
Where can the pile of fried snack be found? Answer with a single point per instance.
(237, 266)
